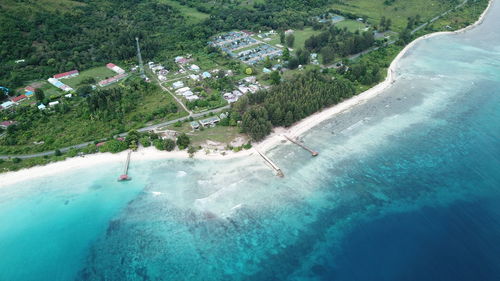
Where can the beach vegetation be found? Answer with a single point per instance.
(292, 101)
(169, 144)
(183, 141)
(192, 150)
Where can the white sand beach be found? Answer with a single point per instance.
(271, 141)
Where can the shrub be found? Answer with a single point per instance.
(183, 141)
(169, 145)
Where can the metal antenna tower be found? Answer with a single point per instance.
(141, 65)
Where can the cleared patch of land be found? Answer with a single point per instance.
(97, 73)
(302, 35)
(221, 134)
(188, 12)
(351, 25)
(398, 11)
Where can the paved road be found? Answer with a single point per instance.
(196, 115)
(148, 128)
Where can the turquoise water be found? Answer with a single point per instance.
(406, 187)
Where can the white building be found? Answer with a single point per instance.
(192, 98)
(194, 77)
(182, 90)
(178, 84)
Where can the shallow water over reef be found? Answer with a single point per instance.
(406, 187)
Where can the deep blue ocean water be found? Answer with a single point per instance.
(406, 187)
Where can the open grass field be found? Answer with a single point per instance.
(351, 25)
(302, 35)
(398, 12)
(190, 13)
(462, 17)
(50, 90)
(98, 73)
(217, 134)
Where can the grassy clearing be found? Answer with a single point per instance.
(98, 73)
(217, 134)
(351, 25)
(398, 12)
(461, 17)
(188, 12)
(50, 90)
(302, 35)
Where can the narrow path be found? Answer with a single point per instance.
(173, 95)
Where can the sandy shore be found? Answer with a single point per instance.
(271, 141)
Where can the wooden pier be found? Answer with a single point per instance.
(313, 153)
(124, 176)
(274, 166)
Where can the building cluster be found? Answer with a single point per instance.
(258, 54)
(208, 122)
(197, 75)
(55, 80)
(159, 70)
(120, 75)
(185, 92)
(233, 41)
(245, 86)
(60, 84)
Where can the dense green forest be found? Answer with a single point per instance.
(336, 43)
(53, 38)
(102, 113)
(290, 102)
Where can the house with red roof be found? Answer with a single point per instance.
(18, 98)
(29, 89)
(115, 68)
(6, 124)
(68, 74)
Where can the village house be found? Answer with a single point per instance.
(18, 98)
(66, 75)
(7, 104)
(178, 84)
(194, 125)
(209, 122)
(115, 68)
(6, 124)
(206, 75)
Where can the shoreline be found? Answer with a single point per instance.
(271, 141)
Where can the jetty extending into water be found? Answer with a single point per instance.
(313, 153)
(272, 164)
(124, 176)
